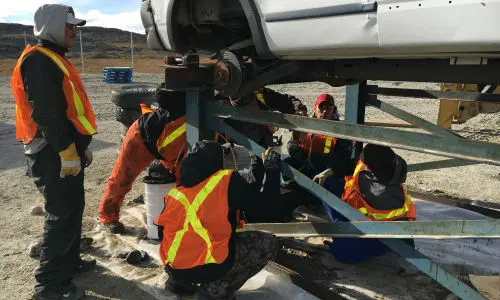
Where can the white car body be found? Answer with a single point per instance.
(341, 29)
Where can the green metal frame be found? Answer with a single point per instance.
(462, 229)
(410, 118)
(414, 257)
(431, 94)
(205, 115)
(421, 142)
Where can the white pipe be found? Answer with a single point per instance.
(132, 49)
(81, 50)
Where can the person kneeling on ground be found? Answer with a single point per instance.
(201, 249)
(377, 190)
(312, 154)
(158, 134)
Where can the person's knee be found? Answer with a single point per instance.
(268, 243)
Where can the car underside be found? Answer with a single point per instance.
(340, 43)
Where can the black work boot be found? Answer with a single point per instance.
(70, 292)
(115, 227)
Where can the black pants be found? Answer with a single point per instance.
(64, 204)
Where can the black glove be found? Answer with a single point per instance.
(257, 168)
(296, 152)
(272, 160)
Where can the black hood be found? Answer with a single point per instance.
(381, 194)
(52, 46)
(204, 159)
(172, 101)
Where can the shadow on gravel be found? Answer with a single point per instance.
(440, 164)
(102, 284)
(11, 151)
(98, 144)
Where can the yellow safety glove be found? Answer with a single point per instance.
(321, 177)
(70, 162)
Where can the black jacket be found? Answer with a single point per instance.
(203, 160)
(339, 159)
(172, 107)
(275, 101)
(43, 83)
(284, 103)
(384, 195)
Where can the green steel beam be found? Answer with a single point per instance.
(406, 116)
(431, 94)
(451, 147)
(368, 229)
(355, 106)
(414, 257)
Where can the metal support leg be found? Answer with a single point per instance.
(356, 97)
(193, 117)
(198, 83)
(195, 131)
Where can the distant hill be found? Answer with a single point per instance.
(98, 42)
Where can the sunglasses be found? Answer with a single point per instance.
(325, 106)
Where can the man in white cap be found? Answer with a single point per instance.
(55, 122)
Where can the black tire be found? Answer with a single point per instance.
(132, 96)
(127, 116)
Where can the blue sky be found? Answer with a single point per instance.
(122, 14)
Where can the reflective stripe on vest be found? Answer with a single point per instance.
(328, 144)
(311, 143)
(352, 188)
(79, 111)
(392, 214)
(76, 98)
(173, 136)
(260, 98)
(192, 218)
(349, 180)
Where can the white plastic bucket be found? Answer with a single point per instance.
(155, 203)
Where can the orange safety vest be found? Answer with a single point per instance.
(317, 143)
(172, 141)
(196, 228)
(79, 110)
(260, 97)
(352, 195)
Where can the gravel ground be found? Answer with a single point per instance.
(18, 194)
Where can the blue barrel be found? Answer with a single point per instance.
(117, 75)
